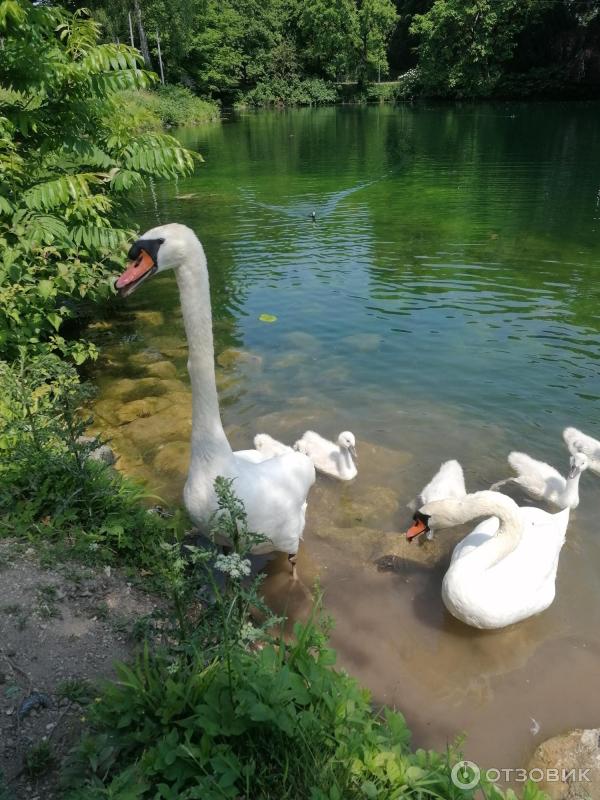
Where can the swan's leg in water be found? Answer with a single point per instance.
(292, 558)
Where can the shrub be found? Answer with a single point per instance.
(279, 92)
(50, 490)
(409, 85)
(67, 160)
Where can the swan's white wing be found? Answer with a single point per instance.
(484, 531)
(534, 561)
(274, 492)
(536, 477)
(317, 443)
(579, 442)
(449, 481)
(269, 446)
(254, 456)
(324, 454)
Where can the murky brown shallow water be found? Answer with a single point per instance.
(444, 305)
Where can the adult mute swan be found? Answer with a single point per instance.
(578, 442)
(448, 481)
(274, 491)
(504, 570)
(543, 482)
(335, 460)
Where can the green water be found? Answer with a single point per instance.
(443, 304)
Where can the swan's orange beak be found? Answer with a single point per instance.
(135, 273)
(418, 527)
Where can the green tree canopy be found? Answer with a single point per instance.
(463, 44)
(69, 156)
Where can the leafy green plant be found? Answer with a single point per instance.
(39, 759)
(76, 690)
(169, 105)
(278, 91)
(50, 490)
(68, 158)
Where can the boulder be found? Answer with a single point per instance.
(165, 370)
(173, 458)
(233, 357)
(576, 757)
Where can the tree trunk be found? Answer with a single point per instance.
(144, 49)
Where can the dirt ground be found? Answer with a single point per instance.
(60, 628)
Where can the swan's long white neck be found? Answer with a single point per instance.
(209, 442)
(571, 492)
(508, 536)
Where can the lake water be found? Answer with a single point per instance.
(445, 303)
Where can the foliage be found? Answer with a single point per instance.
(50, 488)
(229, 48)
(278, 91)
(67, 160)
(227, 711)
(376, 22)
(167, 106)
(463, 44)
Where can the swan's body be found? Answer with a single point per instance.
(579, 442)
(504, 571)
(274, 490)
(269, 447)
(448, 481)
(336, 460)
(543, 482)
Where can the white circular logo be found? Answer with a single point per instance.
(465, 775)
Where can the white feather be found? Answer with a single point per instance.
(578, 442)
(328, 457)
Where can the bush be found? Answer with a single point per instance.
(67, 161)
(51, 491)
(167, 106)
(409, 85)
(295, 92)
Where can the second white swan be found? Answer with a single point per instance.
(504, 571)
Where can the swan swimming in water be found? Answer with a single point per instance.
(543, 482)
(448, 481)
(274, 491)
(335, 460)
(578, 442)
(505, 569)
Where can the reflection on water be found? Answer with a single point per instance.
(444, 304)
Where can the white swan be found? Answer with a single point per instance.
(335, 460)
(579, 442)
(543, 482)
(448, 481)
(274, 491)
(504, 571)
(269, 447)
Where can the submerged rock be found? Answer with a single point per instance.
(151, 319)
(137, 409)
(302, 341)
(363, 342)
(103, 453)
(234, 357)
(574, 758)
(126, 389)
(162, 369)
(172, 424)
(173, 458)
